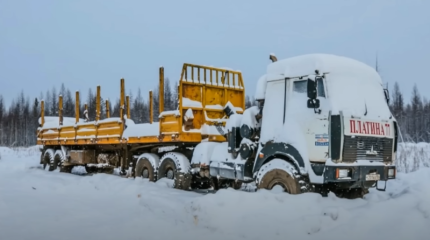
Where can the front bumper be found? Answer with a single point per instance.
(358, 173)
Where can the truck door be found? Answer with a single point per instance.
(315, 122)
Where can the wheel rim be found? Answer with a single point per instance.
(145, 173)
(169, 173)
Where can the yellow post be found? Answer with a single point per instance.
(150, 107)
(107, 109)
(60, 109)
(128, 107)
(77, 107)
(42, 113)
(161, 91)
(121, 107)
(98, 104)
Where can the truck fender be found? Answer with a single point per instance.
(284, 151)
(152, 158)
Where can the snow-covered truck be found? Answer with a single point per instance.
(322, 124)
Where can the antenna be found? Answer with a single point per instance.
(376, 63)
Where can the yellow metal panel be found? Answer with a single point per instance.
(192, 91)
(236, 98)
(169, 124)
(87, 131)
(67, 132)
(109, 129)
(214, 96)
(50, 134)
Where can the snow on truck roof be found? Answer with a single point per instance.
(307, 64)
(354, 87)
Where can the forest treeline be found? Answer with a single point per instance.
(20, 120)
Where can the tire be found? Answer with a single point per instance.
(167, 169)
(48, 159)
(278, 172)
(145, 169)
(176, 166)
(58, 159)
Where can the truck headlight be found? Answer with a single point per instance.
(342, 173)
(391, 172)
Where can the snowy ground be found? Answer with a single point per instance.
(36, 204)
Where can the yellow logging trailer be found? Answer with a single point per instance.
(151, 150)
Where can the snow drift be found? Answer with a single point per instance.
(36, 204)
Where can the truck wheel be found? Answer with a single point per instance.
(167, 169)
(58, 159)
(145, 169)
(48, 159)
(278, 173)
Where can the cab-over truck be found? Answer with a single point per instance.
(322, 123)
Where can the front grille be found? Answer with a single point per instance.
(357, 148)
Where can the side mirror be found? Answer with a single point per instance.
(312, 89)
(313, 103)
(387, 96)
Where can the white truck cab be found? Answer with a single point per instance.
(322, 124)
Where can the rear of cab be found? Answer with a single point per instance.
(349, 139)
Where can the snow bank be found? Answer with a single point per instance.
(53, 204)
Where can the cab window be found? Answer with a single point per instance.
(320, 87)
(301, 86)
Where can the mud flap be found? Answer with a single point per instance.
(381, 189)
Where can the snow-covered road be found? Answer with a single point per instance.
(36, 204)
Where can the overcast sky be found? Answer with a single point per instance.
(83, 43)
